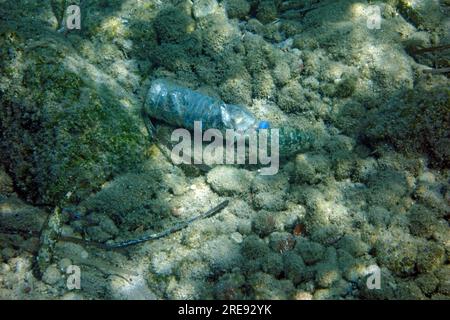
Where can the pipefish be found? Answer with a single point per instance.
(127, 243)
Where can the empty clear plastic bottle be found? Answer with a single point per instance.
(181, 106)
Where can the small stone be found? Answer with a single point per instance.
(84, 254)
(311, 252)
(109, 226)
(264, 223)
(20, 264)
(96, 233)
(327, 275)
(177, 184)
(66, 231)
(72, 296)
(177, 211)
(237, 8)
(427, 283)
(273, 201)
(427, 177)
(281, 241)
(229, 181)
(245, 227)
(323, 294)
(303, 295)
(8, 253)
(4, 268)
(64, 263)
(51, 275)
(203, 8)
(236, 237)
(71, 250)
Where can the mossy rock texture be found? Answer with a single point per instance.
(66, 126)
(418, 120)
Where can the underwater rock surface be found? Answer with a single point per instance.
(370, 188)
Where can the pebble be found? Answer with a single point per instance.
(302, 295)
(4, 268)
(245, 227)
(84, 254)
(72, 296)
(229, 181)
(427, 177)
(51, 275)
(203, 8)
(20, 264)
(8, 253)
(236, 237)
(64, 263)
(66, 231)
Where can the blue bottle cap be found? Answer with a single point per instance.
(264, 125)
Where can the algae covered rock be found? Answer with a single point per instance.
(398, 255)
(430, 256)
(237, 90)
(263, 85)
(272, 264)
(327, 274)
(267, 11)
(418, 120)
(310, 251)
(173, 25)
(230, 286)
(265, 223)
(265, 286)
(354, 245)
(273, 201)
(237, 8)
(228, 180)
(282, 73)
(291, 98)
(423, 222)
(52, 275)
(427, 283)
(311, 168)
(294, 268)
(217, 34)
(6, 184)
(253, 248)
(423, 13)
(203, 8)
(66, 125)
(17, 215)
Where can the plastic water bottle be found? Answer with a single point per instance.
(181, 106)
